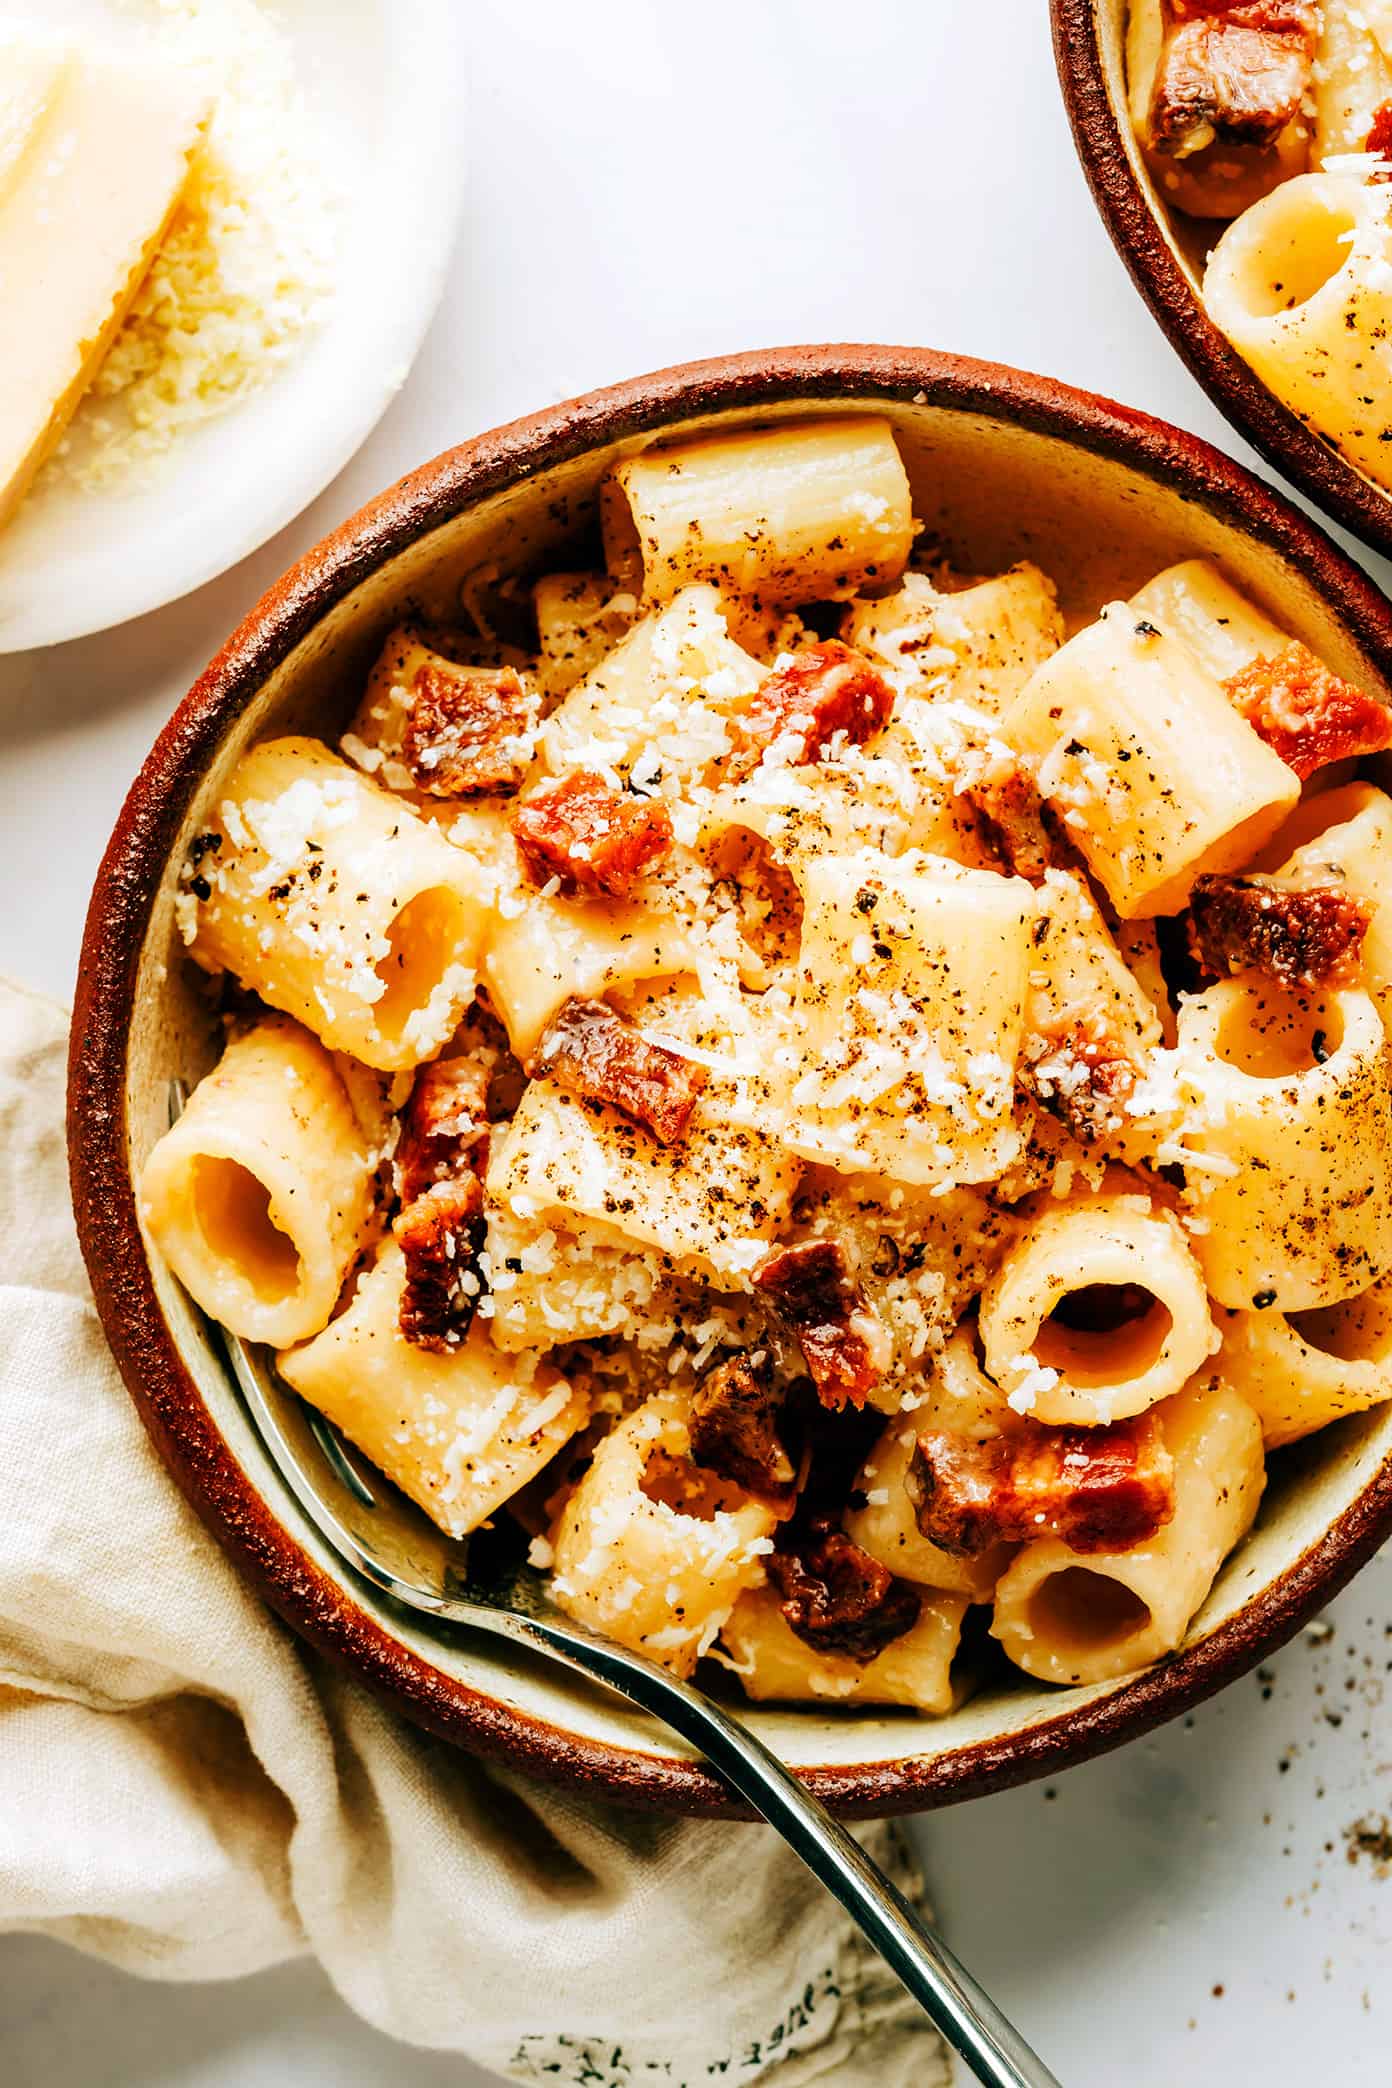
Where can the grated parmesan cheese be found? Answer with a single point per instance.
(247, 267)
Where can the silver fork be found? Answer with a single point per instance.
(389, 1543)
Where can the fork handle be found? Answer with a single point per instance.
(963, 2012)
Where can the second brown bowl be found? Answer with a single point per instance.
(1163, 251)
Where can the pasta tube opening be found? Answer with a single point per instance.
(1302, 241)
(1302, 1370)
(1278, 1033)
(1103, 1332)
(1066, 1616)
(424, 943)
(232, 1209)
(1097, 1311)
(1359, 1330)
(261, 1195)
(1084, 1612)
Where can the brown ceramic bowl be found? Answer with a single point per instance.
(1165, 252)
(1003, 466)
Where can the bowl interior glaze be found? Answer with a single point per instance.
(1165, 252)
(1003, 467)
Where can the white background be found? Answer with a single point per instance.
(653, 180)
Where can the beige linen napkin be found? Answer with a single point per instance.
(188, 1792)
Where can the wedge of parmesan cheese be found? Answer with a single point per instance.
(94, 155)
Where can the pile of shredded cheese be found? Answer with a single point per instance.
(246, 269)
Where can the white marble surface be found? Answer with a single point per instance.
(651, 182)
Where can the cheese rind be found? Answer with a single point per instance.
(94, 155)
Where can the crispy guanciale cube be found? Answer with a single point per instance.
(798, 708)
(591, 837)
(441, 1236)
(734, 1427)
(1016, 824)
(1306, 715)
(467, 730)
(593, 1051)
(1233, 74)
(844, 1345)
(1082, 1074)
(444, 1126)
(1379, 140)
(1302, 936)
(1096, 1489)
(835, 1596)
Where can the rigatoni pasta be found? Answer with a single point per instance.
(652, 1550)
(460, 1432)
(716, 1199)
(542, 951)
(1344, 839)
(327, 895)
(1196, 603)
(883, 1521)
(1289, 1132)
(1098, 1310)
(261, 1195)
(908, 1016)
(654, 706)
(1302, 1370)
(579, 617)
(1352, 78)
(1154, 774)
(816, 1102)
(816, 511)
(977, 644)
(1302, 287)
(914, 1670)
(1069, 1616)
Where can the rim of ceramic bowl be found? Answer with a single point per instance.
(1130, 217)
(318, 1606)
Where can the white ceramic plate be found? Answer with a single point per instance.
(384, 77)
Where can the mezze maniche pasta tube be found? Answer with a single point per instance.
(1304, 1369)
(1289, 1126)
(776, 1666)
(908, 1018)
(816, 511)
(1098, 1309)
(458, 1432)
(634, 1557)
(1067, 1616)
(1301, 284)
(329, 897)
(1154, 773)
(1195, 602)
(260, 1195)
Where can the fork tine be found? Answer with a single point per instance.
(336, 1454)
